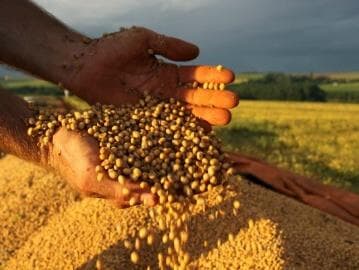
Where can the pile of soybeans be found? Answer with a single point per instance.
(44, 226)
(159, 145)
(205, 219)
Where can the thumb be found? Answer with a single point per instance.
(172, 48)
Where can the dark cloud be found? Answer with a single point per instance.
(262, 35)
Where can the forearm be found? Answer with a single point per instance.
(13, 129)
(36, 42)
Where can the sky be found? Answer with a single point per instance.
(246, 35)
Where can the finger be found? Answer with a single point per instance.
(146, 199)
(120, 204)
(149, 199)
(141, 195)
(213, 116)
(204, 74)
(172, 48)
(104, 189)
(127, 201)
(113, 190)
(206, 126)
(200, 97)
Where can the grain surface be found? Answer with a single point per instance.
(269, 231)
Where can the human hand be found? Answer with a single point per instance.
(75, 157)
(120, 67)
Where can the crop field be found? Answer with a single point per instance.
(313, 139)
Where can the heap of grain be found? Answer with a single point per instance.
(270, 231)
(158, 145)
(29, 196)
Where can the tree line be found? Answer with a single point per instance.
(277, 86)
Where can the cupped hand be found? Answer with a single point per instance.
(75, 157)
(120, 67)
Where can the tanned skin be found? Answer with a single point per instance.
(70, 154)
(13, 130)
(115, 69)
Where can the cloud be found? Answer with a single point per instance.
(81, 11)
(243, 34)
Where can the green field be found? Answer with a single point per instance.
(346, 76)
(334, 76)
(349, 86)
(338, 86)
(342, 91)
(13, 84)
(31, 87)
(247, 76)
(314, 139)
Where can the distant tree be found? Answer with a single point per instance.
(278, 86)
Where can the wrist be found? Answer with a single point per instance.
(63, 72)
(43, 46)
(14, 138)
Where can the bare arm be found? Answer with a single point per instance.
(13, 130)
(71, 154)
(114, 69)
(34, 41)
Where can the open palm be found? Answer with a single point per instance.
(120, 67)
(75, 157)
